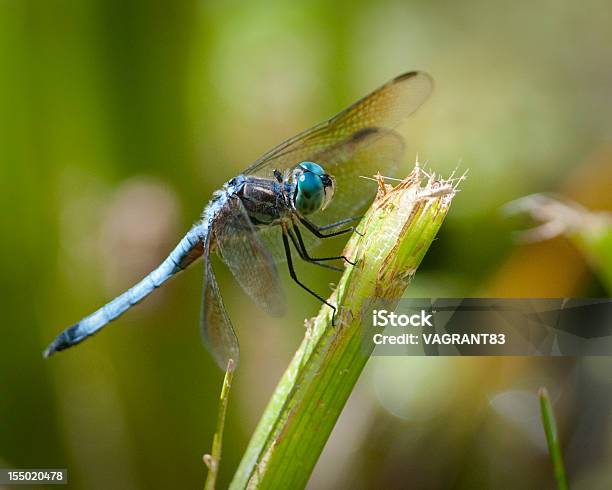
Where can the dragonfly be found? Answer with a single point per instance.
(302, 191)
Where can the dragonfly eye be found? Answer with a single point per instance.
(329, 186)
(314, 188)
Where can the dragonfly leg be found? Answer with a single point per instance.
(301, 248)
(318, 231)
(339, 223)
(301, 284)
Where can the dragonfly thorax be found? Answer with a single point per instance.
(314, 188)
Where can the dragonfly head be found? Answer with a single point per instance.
(314, 188)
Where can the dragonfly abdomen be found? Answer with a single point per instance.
(186, 252)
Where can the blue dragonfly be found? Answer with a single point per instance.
(255, 218)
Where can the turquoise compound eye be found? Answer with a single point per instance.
(314, 188)
(310, 194)
(312, 167)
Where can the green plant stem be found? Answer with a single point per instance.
(213, 459)
(550, 428)
(394, 236)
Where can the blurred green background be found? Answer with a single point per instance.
(118, 119)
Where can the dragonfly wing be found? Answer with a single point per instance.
(365, 138)
(387, 108)
(272, 239)
(250, 262)
(361, 154)
(217, 331)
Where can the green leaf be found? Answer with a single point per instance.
(550, 428)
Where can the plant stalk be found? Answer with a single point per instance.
(213, 459)
(550, 428)
(391, 241)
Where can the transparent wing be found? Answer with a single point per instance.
(364, 153)
(250, 262)
(365, 138)
(271, 237)
(217, 331)
(361, 154)
(385, 108)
